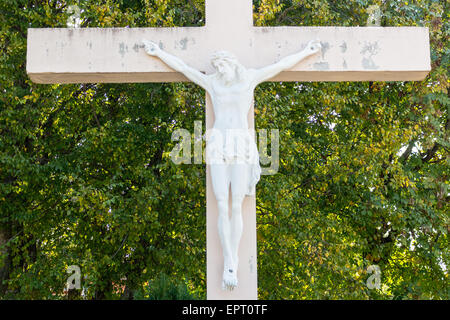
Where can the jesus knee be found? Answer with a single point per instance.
(236, 207)
(222, 205)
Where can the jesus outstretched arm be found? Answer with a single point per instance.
(265, 73)
(151, 48)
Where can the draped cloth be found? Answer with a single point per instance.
(234, 146)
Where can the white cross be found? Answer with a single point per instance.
(117, 55)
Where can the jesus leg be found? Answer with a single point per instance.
(225, 233)
(221, 181)
(239, 182)
(236, 228)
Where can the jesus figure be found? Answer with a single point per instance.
(231, 149)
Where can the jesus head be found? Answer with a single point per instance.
(227, 66)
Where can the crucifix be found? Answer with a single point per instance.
(112, 55)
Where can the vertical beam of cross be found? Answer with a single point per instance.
(218, 18)
(230, 15)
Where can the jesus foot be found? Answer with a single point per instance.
(229, 280)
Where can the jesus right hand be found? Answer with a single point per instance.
(151, 47)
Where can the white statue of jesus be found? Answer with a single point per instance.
(231, 149)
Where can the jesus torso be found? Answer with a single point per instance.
(231, 104)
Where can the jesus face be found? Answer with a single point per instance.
(226, 70)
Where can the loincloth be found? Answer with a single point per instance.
(236, 146)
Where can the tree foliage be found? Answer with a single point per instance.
(86, 178)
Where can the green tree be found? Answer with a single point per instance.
(86, 178)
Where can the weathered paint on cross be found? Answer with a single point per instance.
(116, 55)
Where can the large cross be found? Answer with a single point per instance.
(116, 55)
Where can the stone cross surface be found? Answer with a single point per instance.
(112, 55)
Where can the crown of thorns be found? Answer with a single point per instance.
(225, 56)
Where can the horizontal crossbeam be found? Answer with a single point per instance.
(116, 54)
